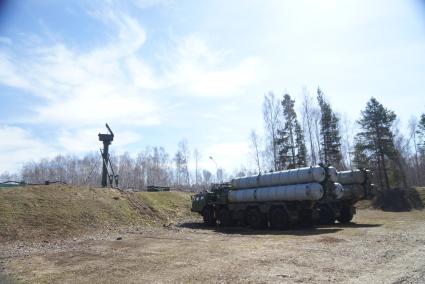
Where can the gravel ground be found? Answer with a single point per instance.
(380, 247)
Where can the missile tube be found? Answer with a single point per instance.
(351, 177)
(314, 174)
(297, 192)
(353, 191)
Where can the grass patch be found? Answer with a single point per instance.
(167, 204)
(60, 211)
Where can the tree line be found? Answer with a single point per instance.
(293, 137)
(324, 137)
(153, 166)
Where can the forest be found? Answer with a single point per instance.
(296, 134)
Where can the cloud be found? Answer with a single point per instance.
(19, 146)
(225, 154)
(143, 4)
(5, 40)
(9, 73)
(197, 70)
(85, 88)
(85, 140)
(113, 82)
(81, 87)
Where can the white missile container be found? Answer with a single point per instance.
(353, 191)
(339, 190)
(309, 191)
(351, 177)
(333, 174)
(314, 174)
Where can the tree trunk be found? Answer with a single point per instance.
(387, 182)
(292, 146)
(381, 184)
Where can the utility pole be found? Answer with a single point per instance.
(216, 167)
(196, 166)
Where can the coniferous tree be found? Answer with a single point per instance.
(421, 147)
(375, 142)
(291, 144)
(361, 160)
(330, 137)
(301, 147)
(421, 134)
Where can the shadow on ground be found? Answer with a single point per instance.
(353, 225)
(295, 231)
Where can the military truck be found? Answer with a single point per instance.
(357, 185)
(276, 199)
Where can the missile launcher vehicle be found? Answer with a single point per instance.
(357, 185)
(276, 199)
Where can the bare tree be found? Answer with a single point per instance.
(316, 116)
(182, 159)
(346, 128)
(125, 171)
(311, 121)
(271, 115)
(308, 124)
(6, 176)
(196, 157)
(412, 125)
(400, 158)
(256, 152)
(206, 175)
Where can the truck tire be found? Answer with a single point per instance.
(208, 216)
(346, 215)
(306, 218)
(224, 217)
(327, 216)
(278, 219)
(256, 219)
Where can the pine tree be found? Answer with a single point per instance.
(292, 150)
(330, 152)
(376, 140)
(300, 145)
(361, 159)
(421, 134)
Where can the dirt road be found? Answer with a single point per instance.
(379, 248)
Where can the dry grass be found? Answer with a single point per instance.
(63, 211)
(380, 247)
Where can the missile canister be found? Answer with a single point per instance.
(351, 177)
(353, 191)
(314, 174)
(333, 174)
(309, 191)
(339, 190)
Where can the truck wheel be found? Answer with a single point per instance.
(306, 218)
(208, 215)
(224, 217)
(278, 219)
(327, 216)
(255, 219)
(346, 215)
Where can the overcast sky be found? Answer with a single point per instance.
(161, 71)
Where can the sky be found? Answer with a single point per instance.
(162, 71)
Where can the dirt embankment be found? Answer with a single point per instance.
(399, 200)
(122, 243)
(380, 247)
(56, 211)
